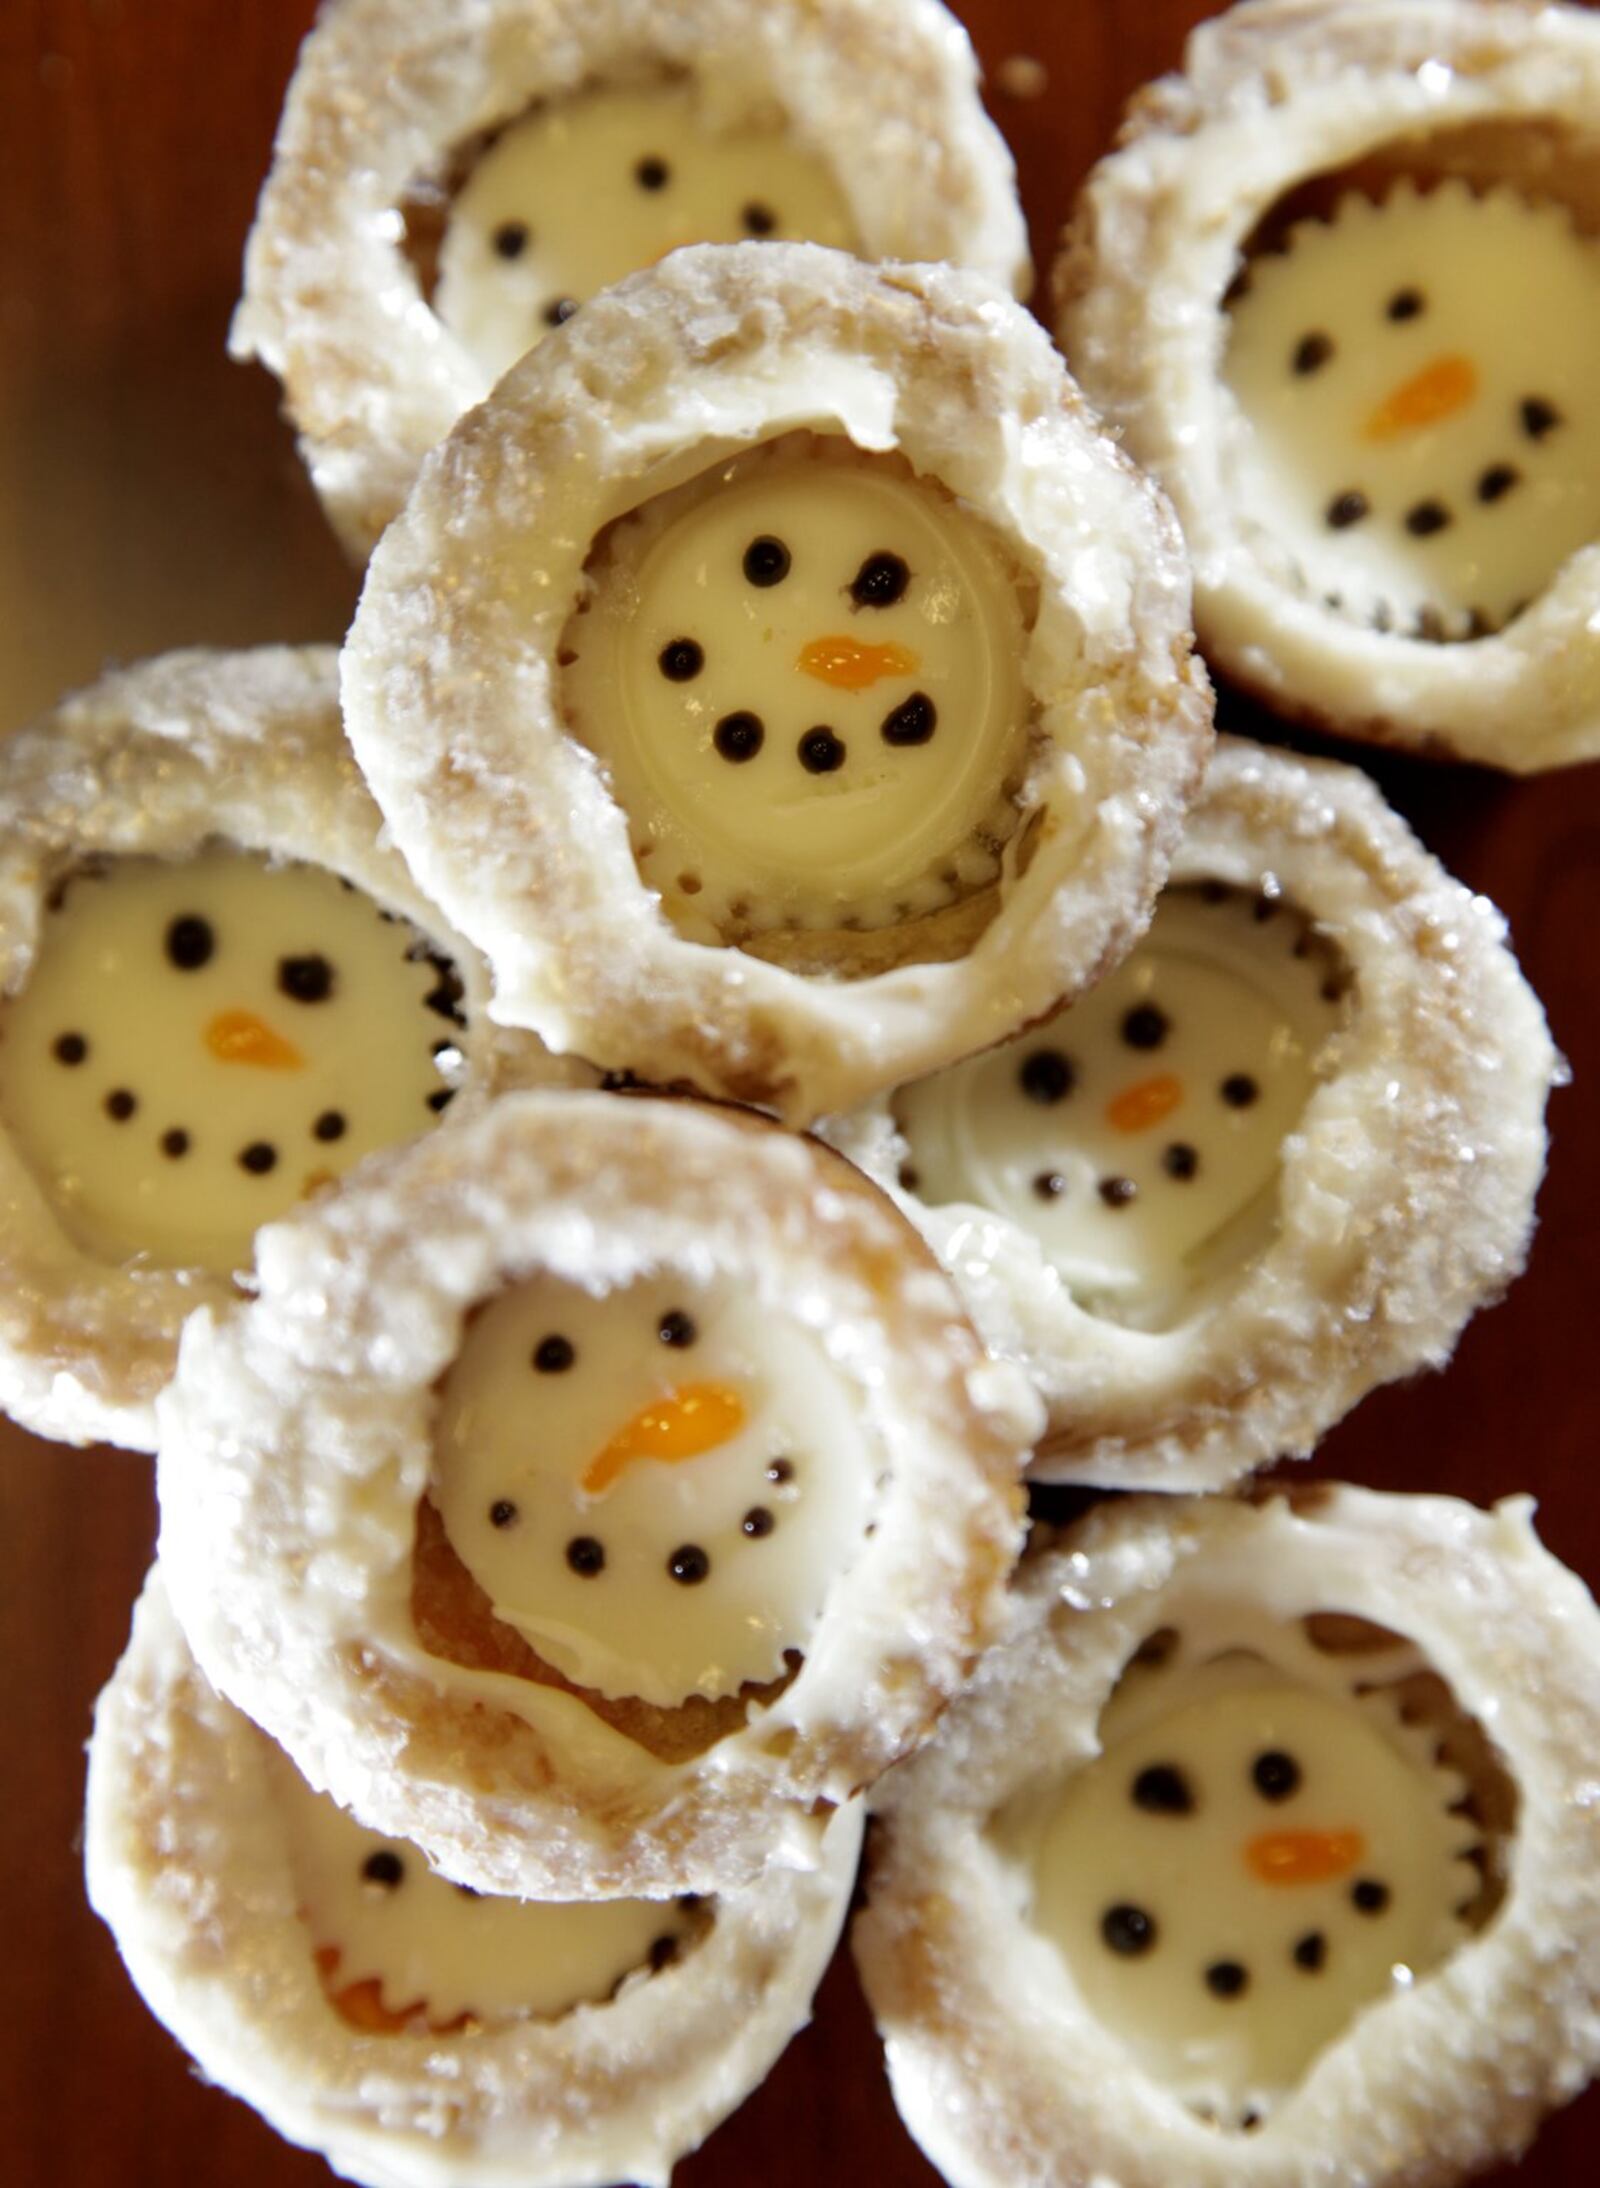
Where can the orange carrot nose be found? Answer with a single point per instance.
(688, 1421)
(1140, 1106)
(852, 665)
(240, 1037)
(1438, 391)
(1303, 1857)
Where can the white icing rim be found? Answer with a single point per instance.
(450, 674)
(157, 762)
(998, 2072)
(296, 1444)
(1273, 92)
(188, 1863)
(1406, 1193)
(883, 92)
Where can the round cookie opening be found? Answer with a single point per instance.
(529, 219)
(200, 1044)
(643, 1496)
(802, 673)
(400, 1950)
(1137, 1135)
(1409, 344)
(1286, 1823)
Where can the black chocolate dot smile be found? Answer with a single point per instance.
(821, 752)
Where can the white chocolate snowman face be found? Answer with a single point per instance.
(802, 671)
(399, 1947)
(1247, 1864)
(588, 189)
(1418, 379)
(1137, 1135)
(656, 1487)
(202, 1043)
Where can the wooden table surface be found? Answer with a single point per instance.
(149, 498)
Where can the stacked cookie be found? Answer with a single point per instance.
(607, 1134)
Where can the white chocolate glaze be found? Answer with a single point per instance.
(1246, 1865)
(1138, 1135)
(1418, 377)
(587, 189)
(201, 1043)
(437, 1951)
(803, 673)
(663, 1504)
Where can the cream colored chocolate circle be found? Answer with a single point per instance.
(1338, 288)
(1424, 443)
(594, 186)
(562, 2045)
(444, 185)
(657, 1487)
(1139, 1135)
(802, 671)
(202, 1043)
(152, 1114)
(855, 886)
(1256, 1853)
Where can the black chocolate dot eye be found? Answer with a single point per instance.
(1145, 1026)
(689, 1564)
(1275, 1775)
(1425, 518)
(881, 581)
(677, 1329)
(1046, 1076)
(739, 736)
(258, 1158)
(1226, 1979)
(759, 220)
(554, 1355)
(1161, 1789)
(767, 561)
(1405, 304)
(586, 1556)
(1128, 1930)
(1049, 1185)
(758, 1521)
(912, 722)
(559, 310)
(1495, 483)
(681, 659)
(502, 1513)
(330, 1125)
(511, 238)
(120, 1104)
(781, 1470)
(1180, 1161)
(306, 979)
(1239, 1090)
(1311, 1951)
(71, 1048)
(191, 941)
(1539, 417)
(175, 1144)
(1118, 1192)
(821, 752)
(384, 1867)
(652, 173)
(1312, 352)
(1369, 1896)
(1347, 509)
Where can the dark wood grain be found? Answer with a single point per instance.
(149, 498)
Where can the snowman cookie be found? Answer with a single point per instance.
(1341, 287)
(1257, 1853)
(415, 2033)
(218, 994)
(852, 656)
(445, 192)
(619, 1483)
(1277, 1157)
